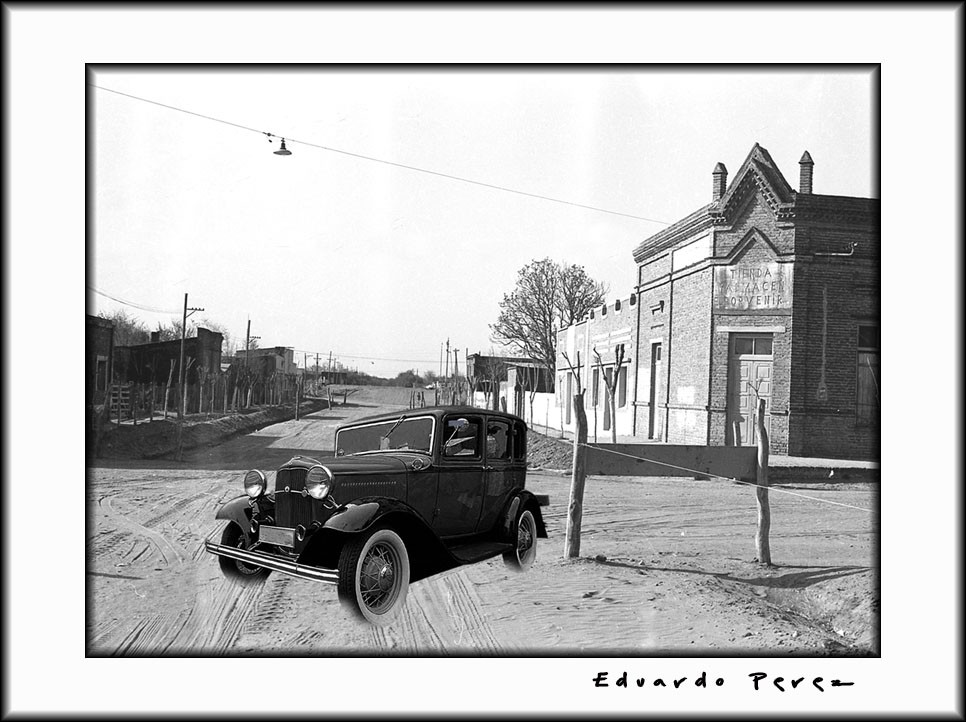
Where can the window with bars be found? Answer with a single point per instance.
(867, 381)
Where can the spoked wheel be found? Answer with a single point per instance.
(374, 576)
(235, 569)
(525, 550)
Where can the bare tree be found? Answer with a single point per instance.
(531, 382)
(611, 382)
(547, 296)
(128, 331)
(493, 371)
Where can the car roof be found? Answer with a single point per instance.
(436, 411)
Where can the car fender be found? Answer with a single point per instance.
(360, 515)
(428, 555)
(239, 511)
(524, 500)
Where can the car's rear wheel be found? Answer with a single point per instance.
(374, 576)
(525, 548)
(235, 569)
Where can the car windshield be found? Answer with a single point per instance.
(414, 434)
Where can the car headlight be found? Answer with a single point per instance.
(318, 482)
(255, 483)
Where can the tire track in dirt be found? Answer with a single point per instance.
(221, 609)
(442, 616)
(178, 507)
(465, 605)
(159, 540)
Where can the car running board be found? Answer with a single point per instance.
(478, 551)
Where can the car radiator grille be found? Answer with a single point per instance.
(292, 509)
(294, 479)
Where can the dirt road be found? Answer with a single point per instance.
(665, 568)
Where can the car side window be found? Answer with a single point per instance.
(461, 438)
(497, 440)
(519, 441)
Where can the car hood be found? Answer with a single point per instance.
(377, 463)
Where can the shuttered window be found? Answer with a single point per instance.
(867, 377)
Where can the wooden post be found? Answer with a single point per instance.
(575, 509)
(184, 387)
(167, 388)
(297, 398)
(764, 512)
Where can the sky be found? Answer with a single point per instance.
(328, 252)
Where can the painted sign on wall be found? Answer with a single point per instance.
(753, 287)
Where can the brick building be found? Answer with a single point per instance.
(99, 339)
(765, 292)
(268, 361)
(151, 362)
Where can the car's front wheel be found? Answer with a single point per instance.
(374, 576)
(235, 569)
(525, 549)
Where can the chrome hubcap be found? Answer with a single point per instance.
(524, 539)
(377, 578)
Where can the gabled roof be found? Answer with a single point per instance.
(757, 175)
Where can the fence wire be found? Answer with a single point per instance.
(727, 478)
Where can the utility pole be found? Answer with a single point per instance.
(181, 376)
(447, 358)
(316, 373)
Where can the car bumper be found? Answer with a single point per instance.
(274, 562)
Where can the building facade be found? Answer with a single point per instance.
(154, 362)
(514, 380)
(765, 293)
(604, 343)
(268, 361)
(99, 339)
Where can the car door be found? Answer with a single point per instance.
(498, 468)
(459, 499)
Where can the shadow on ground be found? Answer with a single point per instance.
(778, 580)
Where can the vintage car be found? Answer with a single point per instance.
(405, 496)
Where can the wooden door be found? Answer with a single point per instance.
(653, 396)
(749, 378)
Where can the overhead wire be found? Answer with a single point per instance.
(449, 176)
(364, 358)
(152, 309)
(132, 304)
